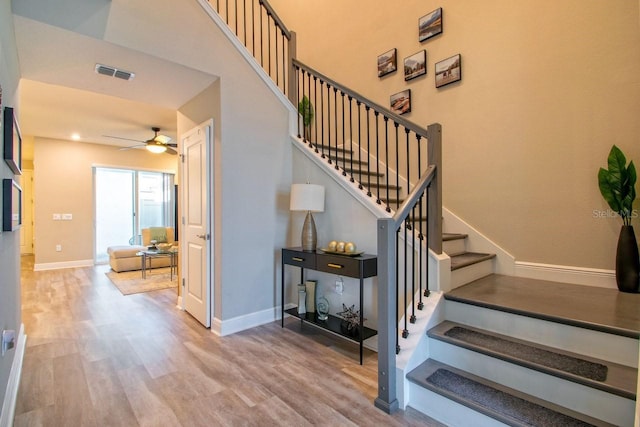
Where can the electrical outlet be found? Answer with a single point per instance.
(58, 248)
(8, 340)
(339, 286)
(57, 217)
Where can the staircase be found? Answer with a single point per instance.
(515, 351)
(501, 355)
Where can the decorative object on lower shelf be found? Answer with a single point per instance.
(350, 319)
(311, 295)
(322, 307)
(302, 299)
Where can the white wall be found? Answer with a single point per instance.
(10, 317)
(547, 87)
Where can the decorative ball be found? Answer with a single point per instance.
(350, 247)
(332, 245)
(340, 247)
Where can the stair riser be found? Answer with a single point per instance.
(468, 274)
(446, 410)
(586, 400)
(453, 247)
(597, 344)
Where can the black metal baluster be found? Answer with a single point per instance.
(322, 151)
(413, 266)
(269, 41)
(344, 145)
(253, 28)
(351, 137)
(378, 201)
(284, 63)
(244, 20)
(395, 309)
(277, 50)
(405, 332)
(315, 116)
(298, 120)
(421, 238)
(261, 39)
(227, 12)
(335, 123)
(235, 15)
(358, 103)
(426, 269)
(367, 108)
(329, 123)
(408, 167)
(386, 157)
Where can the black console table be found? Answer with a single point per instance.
(359, 267)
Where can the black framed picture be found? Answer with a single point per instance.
(430, 25)
(387, 62)
(448, 70)
(12, 141)
(401, 102)
(11, 205)
(415, 65)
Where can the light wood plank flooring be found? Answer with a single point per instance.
(97, 358)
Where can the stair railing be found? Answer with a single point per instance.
(263, 33)
(427, 191)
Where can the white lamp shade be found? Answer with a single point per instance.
(307, 197)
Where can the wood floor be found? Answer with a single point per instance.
(97, 358)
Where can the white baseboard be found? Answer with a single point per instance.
(11, 393)
(65, 264)
(567, 274)
(247, 321)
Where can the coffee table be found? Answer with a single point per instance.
(147, 255)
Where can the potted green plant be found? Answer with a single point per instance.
(305, 108)
(617, 185)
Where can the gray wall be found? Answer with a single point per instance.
(9, 242)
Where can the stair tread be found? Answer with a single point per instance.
(619, 379)
(466, 259)
(452, 236)
(502, 403)
(590, 307)
(363, 172)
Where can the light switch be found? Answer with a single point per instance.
(56, 217)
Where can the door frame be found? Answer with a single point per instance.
(209, 126)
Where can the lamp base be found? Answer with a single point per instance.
(309, 237)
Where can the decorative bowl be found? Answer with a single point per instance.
(164, 247)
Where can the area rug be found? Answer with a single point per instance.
(131, 282)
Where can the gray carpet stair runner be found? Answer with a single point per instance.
(603, 375)
(496, 401)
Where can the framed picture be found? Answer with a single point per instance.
(401, 102)
(430, 25)
(415, 65)
(387, 62)
(448, 70)
(12, 141)
(11, 205)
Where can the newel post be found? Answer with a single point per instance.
(434, 152)
(293, 75)
(387, 321)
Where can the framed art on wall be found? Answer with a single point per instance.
(448, 70)
(430, 25)
(415, 65)
(11, 205)
(387, 62)
(401, 102)
(12, 141)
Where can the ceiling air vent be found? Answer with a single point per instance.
(114, 72)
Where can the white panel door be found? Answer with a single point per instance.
(197, 195)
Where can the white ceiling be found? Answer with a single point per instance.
(60, 92)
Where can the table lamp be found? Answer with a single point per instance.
(309, 198)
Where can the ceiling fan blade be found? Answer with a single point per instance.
(119, 137)
(171, 151)
(172, 145)
(130, 147)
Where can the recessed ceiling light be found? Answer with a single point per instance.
(75, 136)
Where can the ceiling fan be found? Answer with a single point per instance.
(157, 144)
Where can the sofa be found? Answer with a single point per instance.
(124, 258)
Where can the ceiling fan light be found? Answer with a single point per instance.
(157, 148)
